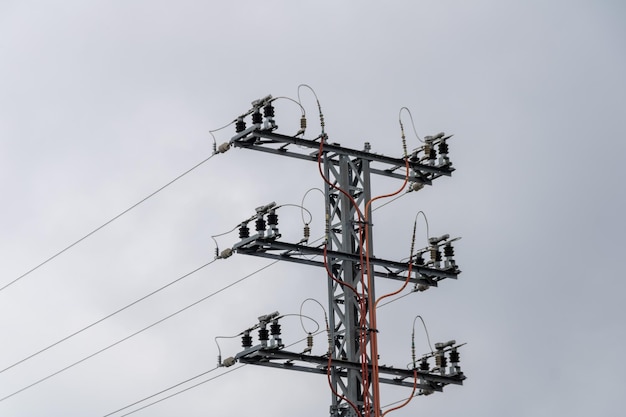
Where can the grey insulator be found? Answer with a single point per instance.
(226, 253)
(223, 147)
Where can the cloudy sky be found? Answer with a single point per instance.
(103, 102)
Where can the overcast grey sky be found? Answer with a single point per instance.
(103, 102)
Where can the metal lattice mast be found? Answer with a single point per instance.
(347, 363)
(345, 205)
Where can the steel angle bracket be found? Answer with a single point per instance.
(265, 140)
(299, 253)
(277, 358)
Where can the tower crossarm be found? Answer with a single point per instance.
(274, 357)
(299, 253)
(308, 149)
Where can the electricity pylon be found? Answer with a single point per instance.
(351, 269)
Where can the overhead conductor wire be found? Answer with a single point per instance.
(105, 223)
(108, 316)
(137, 332)
(188, 388)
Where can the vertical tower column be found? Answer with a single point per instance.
(348, 320)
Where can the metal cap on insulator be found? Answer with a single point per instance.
(244, 231)
(240, 125)
(272, 218)
(260, 224)
(230, 361)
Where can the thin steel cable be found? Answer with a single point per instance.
(166, 389)
(137, 332)
(399, 401)
(104, 224)
(188, 388)
(389, 202)
(106, 317)
(395, 299)
(181, 391)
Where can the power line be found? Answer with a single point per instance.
(188, 388)
(181, 391)
(106, 317)
(137, 332)
(167, 389)
(105, 224)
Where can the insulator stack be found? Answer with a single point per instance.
(309, 341)
(303, 123)
(275, 328)
(432, 155)
(264, 335)
(268, 110)
(443, 148)
(260, 224)
(244, 231)
(424, 365)
(428, 148)
(246, 340)
(435, 254)
(240, 125)
(419, 260)
(272, 218)
(257, 118)
(454, 356)
(441, 360)
(307, 231)
(448, 251)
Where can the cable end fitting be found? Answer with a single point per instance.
(228, 362)
(226, 253)
(222, 148)
(415, 186)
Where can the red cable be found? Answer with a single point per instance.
(371, 301)
(408, 400)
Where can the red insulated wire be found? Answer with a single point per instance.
(408, 400)
(373, 325)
